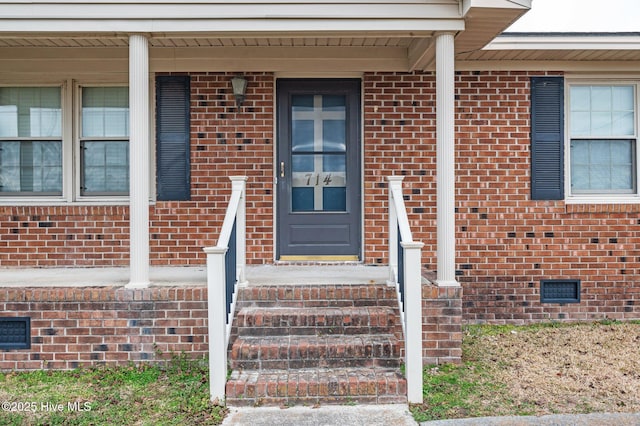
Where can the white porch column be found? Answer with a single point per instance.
(445, 158)
(139, 160)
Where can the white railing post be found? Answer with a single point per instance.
(413, 318)
(239, 184)
(411, 310)
(217, 322)
(395, 182)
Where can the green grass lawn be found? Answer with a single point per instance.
(175, 393)
(506, 370)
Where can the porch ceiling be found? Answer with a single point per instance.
(291, 52)
(52, 40)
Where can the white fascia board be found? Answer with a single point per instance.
(400, 27)
(228, 16)
(229, 10)
(585, 67)
(568, 42)
(467, 5)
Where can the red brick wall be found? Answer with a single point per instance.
(441, 324)
(399, 139)
(225, 141)
(64, 236)
(73, 327)
(506, 241)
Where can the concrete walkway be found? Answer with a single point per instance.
(398, 415)
(328, 415)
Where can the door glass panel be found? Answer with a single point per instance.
(302, 136)
(318, 158)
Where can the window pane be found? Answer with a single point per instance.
(600, 123)
(623, 98)
(599, 152)
(600, 176)
(334, 199)
(622, 178)
(580, 123)
(622, 123)
(603, 165)
(580, 178)
(8, 121)
(302, 135)
(622, 152)
(580, 98)
(334, 163)
(579, 153)
(600, 98)
(30, 112)
(105, 112)
(301, 103)
(31, 167)
(334, 103)
(302, 199)
(602, 111)
(334, 135)
(105, 167)
(318, 123)
(302, 163)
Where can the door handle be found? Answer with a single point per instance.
(282, 169)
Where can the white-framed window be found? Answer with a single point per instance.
(31, 141)
(602, 128)
(64, 143)
(104, 141)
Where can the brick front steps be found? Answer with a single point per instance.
(316, 344)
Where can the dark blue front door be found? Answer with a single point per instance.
(318, 169)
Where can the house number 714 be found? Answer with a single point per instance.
(326, 180)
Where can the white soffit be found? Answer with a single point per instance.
(566, 41)
(559, 47)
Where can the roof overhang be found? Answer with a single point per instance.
(557, 51)
(288, 35)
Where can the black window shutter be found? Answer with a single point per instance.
(547, 138)
(172, 138)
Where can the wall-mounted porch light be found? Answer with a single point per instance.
(239, 85)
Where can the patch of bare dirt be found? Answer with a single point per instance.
(566, 369)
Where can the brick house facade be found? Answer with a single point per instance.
(506, 241)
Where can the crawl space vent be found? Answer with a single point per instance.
(15, 333)
(560, 291)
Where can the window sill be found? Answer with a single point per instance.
(15, 202)
(603, 199)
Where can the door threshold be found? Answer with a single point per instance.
(292, 258)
